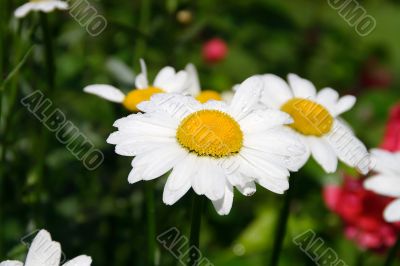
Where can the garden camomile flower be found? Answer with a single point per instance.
(40, 5)
(386, 181)
(204, 96)
(166, 81)
(210, 147)
(45, 252)
(316, 121)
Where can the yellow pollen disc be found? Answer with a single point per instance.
(208, 95)
(210, 133)
(310, 118)
(133, 98)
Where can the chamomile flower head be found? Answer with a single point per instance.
(40, 5)
(316, 120)
(166, 81)
(204, 96)
(211, 147)
(386, 181)
(45, 252)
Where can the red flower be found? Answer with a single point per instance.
(375, 75)
(391, 141)
(214, 50)
(361, 211)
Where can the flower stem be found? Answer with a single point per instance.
(393, 252)
(194, 241)
(48, 50)
(360, 259)
(151, 223)
(281, 229)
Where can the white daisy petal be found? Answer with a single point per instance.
(165, 75)
(386, 162)
(82, 260)
(276, 91)
(209, 180)
(262, 120)
(216, 105)
(175, 105)
(149, 168)
(48, 6)
(141, 81)
(247, 189)
(344, 104)
(348, 147)
(323, 154)
(194, 83)
(392, 211)
(227, 96)
(43, 251)
(105, 91)
(328, 98)
(178, 83)
(23, 10)
(274, 185)
(384, 185)
(179, 181)
(11, 263)
(223, 206)
(302, 88)
(246, 96)
(44, 6)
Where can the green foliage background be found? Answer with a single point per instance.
(97, 212)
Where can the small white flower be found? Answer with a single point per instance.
(210, 147)
(387, 180)
(204, 96)
(166, 81)
(316, 120)
(40, 5)
(45, 252)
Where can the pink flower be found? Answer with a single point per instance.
(391, 140)
(214, 50)
(361, 211)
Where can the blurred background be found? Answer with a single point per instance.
(97, 212)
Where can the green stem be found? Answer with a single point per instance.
(359, 261)
(392, 253)
(2, 151)
(281, 228)
(194, 241)
(151, 223)
(48, 50)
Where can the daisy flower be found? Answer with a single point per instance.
(204, 96)
(210, 147)
(166, 81)
(45, 252)
(387, 180)
(316, 120)
(40, 5)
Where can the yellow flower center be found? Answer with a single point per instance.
(210, 133)
(310, 118)
(133, 98)
(208, 95)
